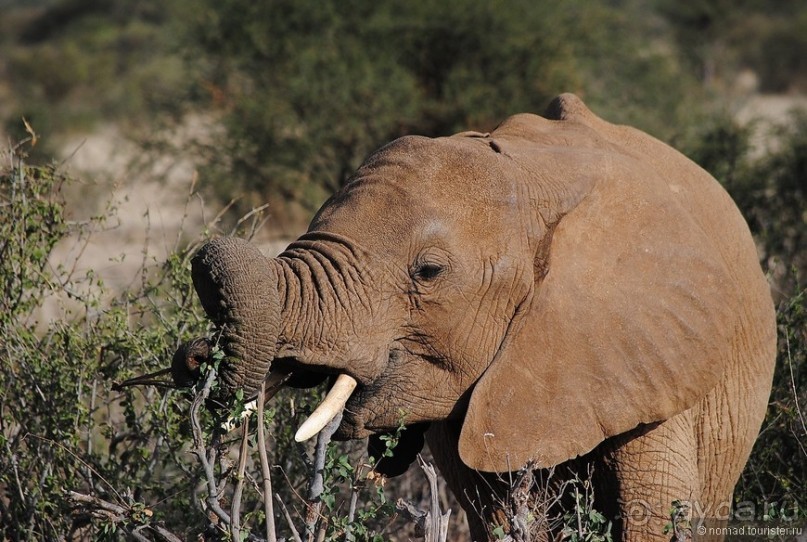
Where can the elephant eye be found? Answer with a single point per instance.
(428, 271)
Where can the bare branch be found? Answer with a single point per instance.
(106, 509)
(265, 472)
(436, 522)
(351, 514)
(235, 508)
(316, 483)
(200, 451)
(164, 534)
(295, 535)
(102, 509)
(433, 524)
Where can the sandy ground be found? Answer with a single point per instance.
(155, 210)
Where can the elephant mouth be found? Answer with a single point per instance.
(349, 393)
(331, 406)
(304, 374)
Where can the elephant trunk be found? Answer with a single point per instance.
(292, 307)
(237, 287)
(321, 286)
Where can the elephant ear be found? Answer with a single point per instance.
(630, 320)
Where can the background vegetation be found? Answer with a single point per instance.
(302, 91)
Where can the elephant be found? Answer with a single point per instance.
(561, 292)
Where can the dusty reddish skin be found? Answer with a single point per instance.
(562, 290)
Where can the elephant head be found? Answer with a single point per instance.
(558, 264)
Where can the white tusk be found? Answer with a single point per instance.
(332, 405)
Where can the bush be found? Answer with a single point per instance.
(776, 473)
(79, 459)
(309, 92)
(63, 428)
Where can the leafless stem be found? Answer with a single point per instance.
(351, 514)
(139, 537)
(222, 212)
(433, 524)
(795, 391)
(235, 508)
(294, 533)
(436, 522)
(200, 451)
(316, 484)
(76, 457)
(255, 214)
(265, 472)
(165, 535)
(99, 506)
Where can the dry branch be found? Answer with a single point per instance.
(200, 451)
(316, 485)
(117, 514)
(294, 533)
(431, 524)
(265, 472)
(235, 508)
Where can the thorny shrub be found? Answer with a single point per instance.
(62, 427)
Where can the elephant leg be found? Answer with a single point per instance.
(640, 475)
(732, 414)
(525, 505)
(479, 494)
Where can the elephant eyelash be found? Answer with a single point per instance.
(429, 271)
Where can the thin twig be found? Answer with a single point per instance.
(253, 212)
(235, 508)
(268, 506)
(222, 212)
(200, 451)
(77, 458)
(294, 533)
(317, 482)
(795, 391)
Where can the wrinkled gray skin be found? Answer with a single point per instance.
(562, 291)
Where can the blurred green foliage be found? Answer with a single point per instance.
(73, 63)
(305, 91)
(720, 37)
(312, 89)
(64, 340)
